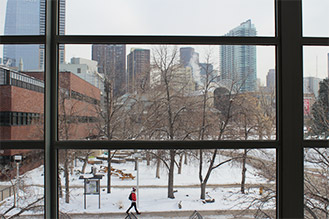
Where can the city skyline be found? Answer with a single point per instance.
(263, 19)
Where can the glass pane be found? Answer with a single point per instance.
(316, 92)
(170, 17)
(21, 92)
(22, 17)
(22, 183)
(316, 182)
(158, 92)
(242, 182)
(316, 18)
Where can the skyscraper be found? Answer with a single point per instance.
(328, 65)
(186, 54)
(207, 72)
(61, 30)
(311, 85)
(270, 79)
(111, 60)
(138, 70)
(238, 62)
(27, 17)
(189, 58)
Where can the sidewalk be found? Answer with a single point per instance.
(217, 214)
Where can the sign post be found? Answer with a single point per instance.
(92, 186)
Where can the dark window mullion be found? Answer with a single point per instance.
(50, 106)
(23, 39)
(165, 144)
(315, 41)
(181, 40)
(316, 143)
(22, 144)
(290, 159)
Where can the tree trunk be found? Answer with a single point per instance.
(157, 174)
(180, 165)
(185, 159)
(109, 171)
(244, 170)
(85, 161)
(203, 191)
(71, 166)
(67, 178)
(203, 182)
(171, 175)
(60, 189)
(148, 158)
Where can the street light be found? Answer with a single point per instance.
(17, 158)
(137, 157)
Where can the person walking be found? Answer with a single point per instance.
(133, 198)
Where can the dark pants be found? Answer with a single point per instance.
(133, 204)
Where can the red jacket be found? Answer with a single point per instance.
(133, 196)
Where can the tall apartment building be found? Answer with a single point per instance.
(111, 60)
(28, 18)
(138, 70)
(238, 62)
(270, 80)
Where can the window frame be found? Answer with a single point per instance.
(289, 144)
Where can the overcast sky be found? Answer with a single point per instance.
(191, 17)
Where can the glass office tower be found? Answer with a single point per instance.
(22, 18)
(238, 62)
(27, 17)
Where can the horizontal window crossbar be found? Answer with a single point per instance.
(23, 39)
(316, 143)
(22, 144)
(315, 41)
(165, 144)
(166, 40)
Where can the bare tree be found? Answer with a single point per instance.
(226, 111)
(316, 183)
(166, 115)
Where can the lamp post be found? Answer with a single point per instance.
(137, 157)
(17, 159)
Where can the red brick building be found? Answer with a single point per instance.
(22, 108)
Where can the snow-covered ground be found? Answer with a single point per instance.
(152, 191)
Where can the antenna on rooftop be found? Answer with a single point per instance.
(316, 70)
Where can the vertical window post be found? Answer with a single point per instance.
(290, 195)
(50, 100)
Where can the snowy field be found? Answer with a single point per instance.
(223, 188)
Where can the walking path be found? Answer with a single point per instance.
(235, 185)
(213, 214)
